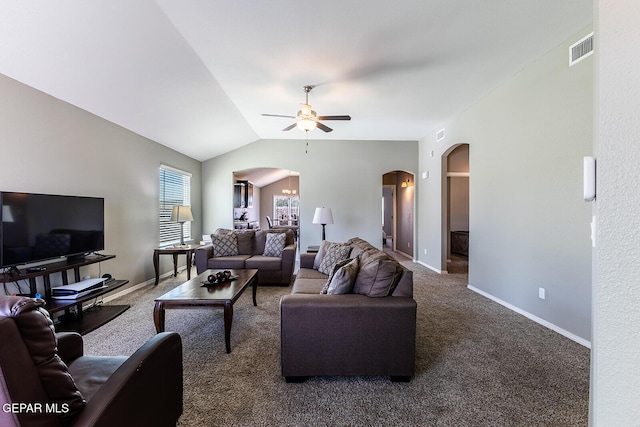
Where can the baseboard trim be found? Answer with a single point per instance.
(437, 270)
(133, 288)
(533, 317)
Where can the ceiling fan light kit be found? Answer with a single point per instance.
(307, 119)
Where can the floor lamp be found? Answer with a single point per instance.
(323, 216)
(181, 214)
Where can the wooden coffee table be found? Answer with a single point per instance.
(192, 294)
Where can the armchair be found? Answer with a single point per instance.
(46, 380)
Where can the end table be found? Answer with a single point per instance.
(187, 250)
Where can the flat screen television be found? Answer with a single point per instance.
(39, 227)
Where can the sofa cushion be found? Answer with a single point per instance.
(310, 273)
(91, 372)
(336, 252)
(308, 286)
(377, 276)
(224, 244)
(344, 278)
(245, 241)
(264, 263)
(228, 262)
(274, 244)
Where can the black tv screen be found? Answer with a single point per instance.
(38, 227)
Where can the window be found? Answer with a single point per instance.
(175, 190)
(286, 208)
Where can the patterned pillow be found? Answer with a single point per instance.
(336, 252)
(224, 244)
(274, 244)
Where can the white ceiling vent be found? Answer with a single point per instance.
(440, 135)
(581, 49)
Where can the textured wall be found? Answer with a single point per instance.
(616, 349)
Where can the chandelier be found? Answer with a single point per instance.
(288, 191)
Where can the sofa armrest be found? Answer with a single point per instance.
(145, 391)
(347, 335)
(70, 346)
(202, 254)
(307, 259)
(288, 262)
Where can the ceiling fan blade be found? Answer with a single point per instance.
(334, 118)
(289, 127)
(323, 127)
(279, 115)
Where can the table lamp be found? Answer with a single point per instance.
(323, 216)
(181, 214)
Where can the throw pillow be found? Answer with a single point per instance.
(344, 278)
(377, 277)
(274, 244)
(336, 252)
(324, 245)
(224, 244)
(333, 271)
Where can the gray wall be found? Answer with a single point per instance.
(50, 146)
(615, 382)
(529, 225)
(341, 175)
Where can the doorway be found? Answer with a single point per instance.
(456, 209)
(398, 212)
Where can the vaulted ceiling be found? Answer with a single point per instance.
(196, 75)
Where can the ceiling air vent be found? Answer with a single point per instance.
(580, 50)
(440, 135)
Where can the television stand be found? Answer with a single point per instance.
(74, 318)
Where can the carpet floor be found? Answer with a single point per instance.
(477, 364)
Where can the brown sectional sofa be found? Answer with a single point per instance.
(370, 331)
(251, 254)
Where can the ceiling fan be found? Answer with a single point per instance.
(307, 119)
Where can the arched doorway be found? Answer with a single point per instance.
(274, 193)
(455, 206)
(398, 196)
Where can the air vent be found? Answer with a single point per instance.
(580, 50)
(440, 135)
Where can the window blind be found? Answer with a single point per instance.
(175, 190)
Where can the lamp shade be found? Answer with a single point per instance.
(181, 214)
(7, 216)
(323, 216)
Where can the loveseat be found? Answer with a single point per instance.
(272, 252)
(46, 380)
(365, 324)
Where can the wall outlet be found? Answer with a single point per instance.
(408, 244)
(542, 293)
(425, 251)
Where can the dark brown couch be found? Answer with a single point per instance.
(46, 380)
(250, 254)
(349, 334)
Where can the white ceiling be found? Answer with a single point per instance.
(195, 75)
